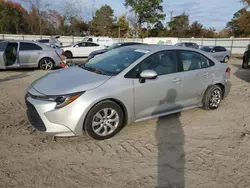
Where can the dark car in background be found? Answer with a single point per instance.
(113, 46)
(246, 58)
(188, 44)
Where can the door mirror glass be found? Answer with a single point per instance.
(148, 74)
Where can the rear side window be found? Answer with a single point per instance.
(3, 46)
(25, 46)
(193, 61)
(92, 44)
(44, 41)
(217, 49)
(222, 49)
(90, 40)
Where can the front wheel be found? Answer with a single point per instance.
(212, 97)
(104, 120)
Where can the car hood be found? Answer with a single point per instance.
(68, 80)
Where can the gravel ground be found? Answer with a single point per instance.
(193, 149)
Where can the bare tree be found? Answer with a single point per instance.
(41, 6)
(133, 23)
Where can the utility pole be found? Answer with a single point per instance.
(171, 15)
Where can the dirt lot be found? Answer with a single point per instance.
(193, 149)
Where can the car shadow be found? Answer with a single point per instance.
(14, 77)
(243, 74)
(170, 142)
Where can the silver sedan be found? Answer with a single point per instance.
(29, 54)
(218, 52)
(125, 85)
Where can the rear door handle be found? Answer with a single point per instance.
(206, 74)
(176, 80)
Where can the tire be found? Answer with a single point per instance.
(68, 54)
(212, 91)
(96, 123)
(46, 64)
(226, 59)
(244, 65)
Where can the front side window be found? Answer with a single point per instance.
(114, 61)
(222, 49)
(25, 46)
(81, 44)
(3, 46)
(162, 63)
(193, 61)
(91, 44)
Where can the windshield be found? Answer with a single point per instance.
(206, 49)
(114, 61)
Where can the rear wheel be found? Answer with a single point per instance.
(46, 64)
(212, 97)
(104, 120)
(68, 54)
(226, 59)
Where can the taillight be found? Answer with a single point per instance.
(63, 52)
(228, 70)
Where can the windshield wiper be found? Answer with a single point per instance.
(92, 69)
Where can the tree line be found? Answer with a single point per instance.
(145, 19)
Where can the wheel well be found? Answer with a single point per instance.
(46, 58)
(122, 106)
(222, 88)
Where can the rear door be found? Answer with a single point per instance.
(79, 49)
(198, 72)
(90, 47)
(29, 54)
(217, 53)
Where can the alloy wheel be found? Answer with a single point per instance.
(105, 122)
(46, 64)
(215, 98)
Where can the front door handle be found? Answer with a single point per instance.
(176, 80)
(206, 74)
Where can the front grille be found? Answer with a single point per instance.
(34, 117)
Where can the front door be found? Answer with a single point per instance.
(80, 50)
(197, 76)
(160, 95)
(11, 55)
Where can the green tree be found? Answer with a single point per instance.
(122, 25)
(240, 23)
(103, 21)
(179, 25)
(196, 30)
(158, 30)
(147, 11)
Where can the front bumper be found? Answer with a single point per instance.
(67, 121)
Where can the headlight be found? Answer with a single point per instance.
(61, 101)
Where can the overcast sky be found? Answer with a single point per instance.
(211, 13)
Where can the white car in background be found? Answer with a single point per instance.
(106, 41)
(81, 49)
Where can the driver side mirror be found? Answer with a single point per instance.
(147, 74)
(76, 46)
(213, 51)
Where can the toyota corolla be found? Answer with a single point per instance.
(125, 85)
